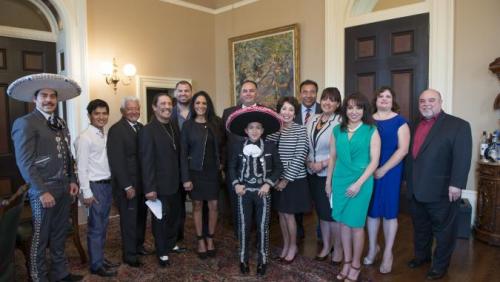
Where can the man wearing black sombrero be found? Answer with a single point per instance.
(42, 148)
(253, 169)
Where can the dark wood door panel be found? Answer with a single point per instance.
(389, 53)
(19, 57)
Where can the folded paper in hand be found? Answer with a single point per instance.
(155, 207)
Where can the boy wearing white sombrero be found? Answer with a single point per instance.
(253, 169)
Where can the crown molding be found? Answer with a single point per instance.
(24, 33)
(209, 10)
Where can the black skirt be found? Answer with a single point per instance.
(295, 198)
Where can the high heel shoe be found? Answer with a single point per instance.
(201, 255)
(386, 268)
(211, 252)
(349, 278)
(323, 258)
(341, 276)
(370, 261)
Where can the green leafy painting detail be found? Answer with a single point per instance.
(269, 61)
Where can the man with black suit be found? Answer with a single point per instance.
(308, 108)
(248, 96)
(127, 181)
(437, 172)
(159, 147)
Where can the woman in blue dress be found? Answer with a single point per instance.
(395, 137)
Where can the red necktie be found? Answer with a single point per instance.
(308, 115)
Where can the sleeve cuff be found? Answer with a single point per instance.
(127, 188)
(87, 193)
(270, 182)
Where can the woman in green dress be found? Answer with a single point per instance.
(354, 156)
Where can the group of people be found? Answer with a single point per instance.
(340, 157)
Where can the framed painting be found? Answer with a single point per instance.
(270, 58)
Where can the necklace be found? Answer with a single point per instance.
(172, 136)
(354, 129)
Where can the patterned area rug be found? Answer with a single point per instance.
(187, 266)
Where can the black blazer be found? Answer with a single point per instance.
(444, 160)
(274, 167)
(122, 156)
(298, 115)
(193, 145)
(159, 158)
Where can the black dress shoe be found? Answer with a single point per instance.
(179, 250)
(132, 263)
(435, 275)
(414, 263)
(109, 264)
(244, 268)
(72, 277)
(144, 252)
(163, 262)
(261, 269)
(103, 272)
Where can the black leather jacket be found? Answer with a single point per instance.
(193, 143)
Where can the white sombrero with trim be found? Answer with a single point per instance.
(24, 88)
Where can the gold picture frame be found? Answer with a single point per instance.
(271, 58)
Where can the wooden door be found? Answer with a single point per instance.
(18, 57)
(391, 53)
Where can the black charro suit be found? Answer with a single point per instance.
(125, 172)
(443, 160)
(159, 150)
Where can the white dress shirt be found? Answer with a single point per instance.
(92, 158)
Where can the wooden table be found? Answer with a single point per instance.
(487, 227)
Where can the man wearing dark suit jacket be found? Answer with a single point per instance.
(308, 108)
(437, 172)
(159, 147)
(248, 96)
(127, 181)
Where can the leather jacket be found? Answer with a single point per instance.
(193, 144)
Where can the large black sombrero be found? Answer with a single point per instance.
(24, 88)
(238, 121)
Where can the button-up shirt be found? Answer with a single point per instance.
(303, 109)
(423, 129)
(92, 159)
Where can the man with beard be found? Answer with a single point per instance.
(159, 149)
(180, 113)
(127, 181)
(41, 142)
(248, 96)
(437, 171)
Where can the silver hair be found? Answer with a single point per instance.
(128, 99)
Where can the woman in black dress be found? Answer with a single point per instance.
(291, 193)
(200, 166)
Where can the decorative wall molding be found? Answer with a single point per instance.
(210, 10)
(24, 33)
(142, 82)
(338, 16)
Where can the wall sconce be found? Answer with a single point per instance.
(110, 71)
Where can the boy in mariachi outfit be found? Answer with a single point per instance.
(253, 169)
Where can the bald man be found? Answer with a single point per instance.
(437, 171)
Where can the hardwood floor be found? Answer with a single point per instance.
(471, 261)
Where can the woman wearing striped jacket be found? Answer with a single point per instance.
(291, 194)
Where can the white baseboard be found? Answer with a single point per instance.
(471, 195)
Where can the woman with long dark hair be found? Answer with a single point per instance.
(201, 152)
(354, 156)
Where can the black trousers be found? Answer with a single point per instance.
(165, 230)
(182, 213)
(233, 199)
(133, 215)
(250, 205)
(50, 225)
(439, 220)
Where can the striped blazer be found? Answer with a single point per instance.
(292, 146)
